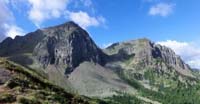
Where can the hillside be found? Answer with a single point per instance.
(21, 85)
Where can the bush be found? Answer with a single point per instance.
(24, 100)
(7, 98)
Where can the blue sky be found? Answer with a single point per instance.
(173, 23)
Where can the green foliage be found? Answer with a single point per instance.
(179, 93)
(6, 98)
(131, 81)
(150, 75)
(124, 98)
(25, 100)
(30, 88)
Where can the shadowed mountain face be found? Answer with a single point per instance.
(21, 44)
(69, 58)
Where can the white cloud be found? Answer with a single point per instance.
(42, 10)
(13, 30)
(161, 9)
(189, 52)
(7, 22)
(84, 19)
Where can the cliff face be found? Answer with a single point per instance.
(67, 45)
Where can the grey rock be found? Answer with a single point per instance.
(67, 46)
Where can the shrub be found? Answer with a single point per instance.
(7, 98)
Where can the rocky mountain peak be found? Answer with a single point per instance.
(68, 26)
(66, 46)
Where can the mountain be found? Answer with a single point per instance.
(67, 44)
(149, 63)
(137, 71)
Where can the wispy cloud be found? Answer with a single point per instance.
(161, 9)
(189, 52)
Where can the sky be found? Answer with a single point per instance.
(172, 23)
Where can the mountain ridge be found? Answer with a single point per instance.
(69, 58)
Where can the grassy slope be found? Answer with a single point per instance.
(26, 86)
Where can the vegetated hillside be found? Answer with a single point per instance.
(155, 71)
(21, 85)
(131, 72)
(149, 63)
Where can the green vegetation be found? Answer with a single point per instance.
(124, 98)
(169, 89)
(27, 87)
(26, 100)
(149, 74)
(6, 98)
(130, 80)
